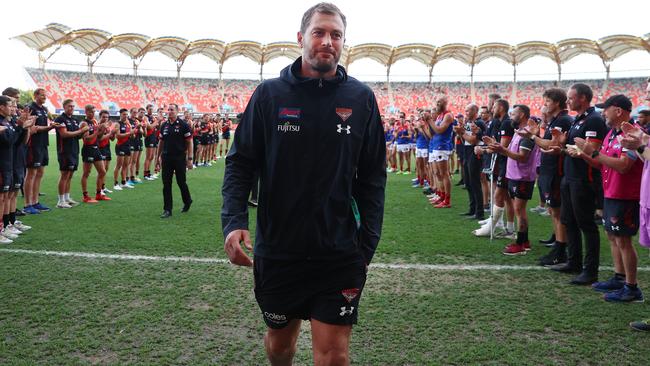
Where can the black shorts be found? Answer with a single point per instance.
(549, 186)
(205, 140)
(225, 136)
(6, 180)
(502, 181)
(18, 178)
(621, 217)
(106, 152)
(91, 154)
(123, 150)
(151, 141)
(460, 151)
(521, 189)
(37, 156)
(138, 144)
(328, 291)
(68, 162)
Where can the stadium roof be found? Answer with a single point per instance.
(94, 41)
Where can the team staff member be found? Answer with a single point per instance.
(578, 194)
(37, 153)
(521, 173)
(621, 169)
(551, 167)
(311, 250)
(471, 131)
(68, 133)
(176, 150)
(91, 156)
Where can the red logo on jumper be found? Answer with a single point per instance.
(344, 113)
(350, 293)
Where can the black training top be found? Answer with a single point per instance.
(551, 164)
(318, 145)
(67, 146)
(174, 135)
(589, 124)
(39, 139)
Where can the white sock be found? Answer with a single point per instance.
(510, 226)
(497, 212)
(66, 197)
(61, 198)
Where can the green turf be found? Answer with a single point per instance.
(98, 311)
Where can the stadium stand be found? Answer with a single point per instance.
(212, 95)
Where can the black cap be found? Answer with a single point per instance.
(618, 100)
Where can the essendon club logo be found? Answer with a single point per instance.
(344, 113)
(350, 294)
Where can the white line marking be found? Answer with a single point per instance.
(398, 266)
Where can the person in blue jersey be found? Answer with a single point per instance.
(389, 137)
(442, 146)
(421, 152)
(403, 139)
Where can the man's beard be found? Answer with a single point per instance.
(323, 66)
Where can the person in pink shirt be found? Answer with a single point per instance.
(621, 171)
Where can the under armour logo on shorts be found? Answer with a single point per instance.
(345, 311)
(340, 128)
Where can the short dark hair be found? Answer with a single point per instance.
(123, 110)
(67, 101)
(173, 104)
(524, 108)
(104, 111)
(5, 100)
(89, 107)
(39, 90)
(584, 90)
(149, 105)
(141, 110)
(503, 103)
(557, 95)
(325, 8)
(11, 92)
(645, 112)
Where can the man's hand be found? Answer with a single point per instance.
(3, 129)
(497, 148)
(553, 150)
(233, 248)
(634, 137)
(189, 164)
(559, 137)
(478, 150)
(488, 140)
(584, 146)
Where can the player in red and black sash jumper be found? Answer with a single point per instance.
(91, 156)
(175, 152)
(312, 248)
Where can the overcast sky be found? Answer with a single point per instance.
(390, 22)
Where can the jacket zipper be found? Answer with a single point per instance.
(320, 83)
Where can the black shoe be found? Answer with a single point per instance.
(460, 183)
(20, 212)
(252, 203)
(565, 268)
(427, 191)
(186, 207)
(468, 213)
(550, 240)
(557, 255)
(584, 278)
(166, 214)
(478, 217)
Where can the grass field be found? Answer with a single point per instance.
(69, 310)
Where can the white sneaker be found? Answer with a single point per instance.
(72, 202)
(149, 178)
(5, 240)
(136, 179)
(209, 164)
(485, 230)
(117, 187)
(505, 234)
(63, 205)
(128, 185)
(8, 235)
(106, 191)
(485, 222)
(155, 176)
(13, 230)
(545, 213)
(20, 226)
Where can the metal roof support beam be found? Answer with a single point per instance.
(471, 83)
(430, 73)
(42, 59)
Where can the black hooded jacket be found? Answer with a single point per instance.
(318, 145)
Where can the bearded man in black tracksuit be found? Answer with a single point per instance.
(315, 137)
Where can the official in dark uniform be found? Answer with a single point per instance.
(175, 147)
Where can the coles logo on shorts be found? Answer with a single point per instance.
(275, 318)
(350, 294)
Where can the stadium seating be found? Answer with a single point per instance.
(212, 95)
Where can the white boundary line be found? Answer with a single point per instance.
(396, 266)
